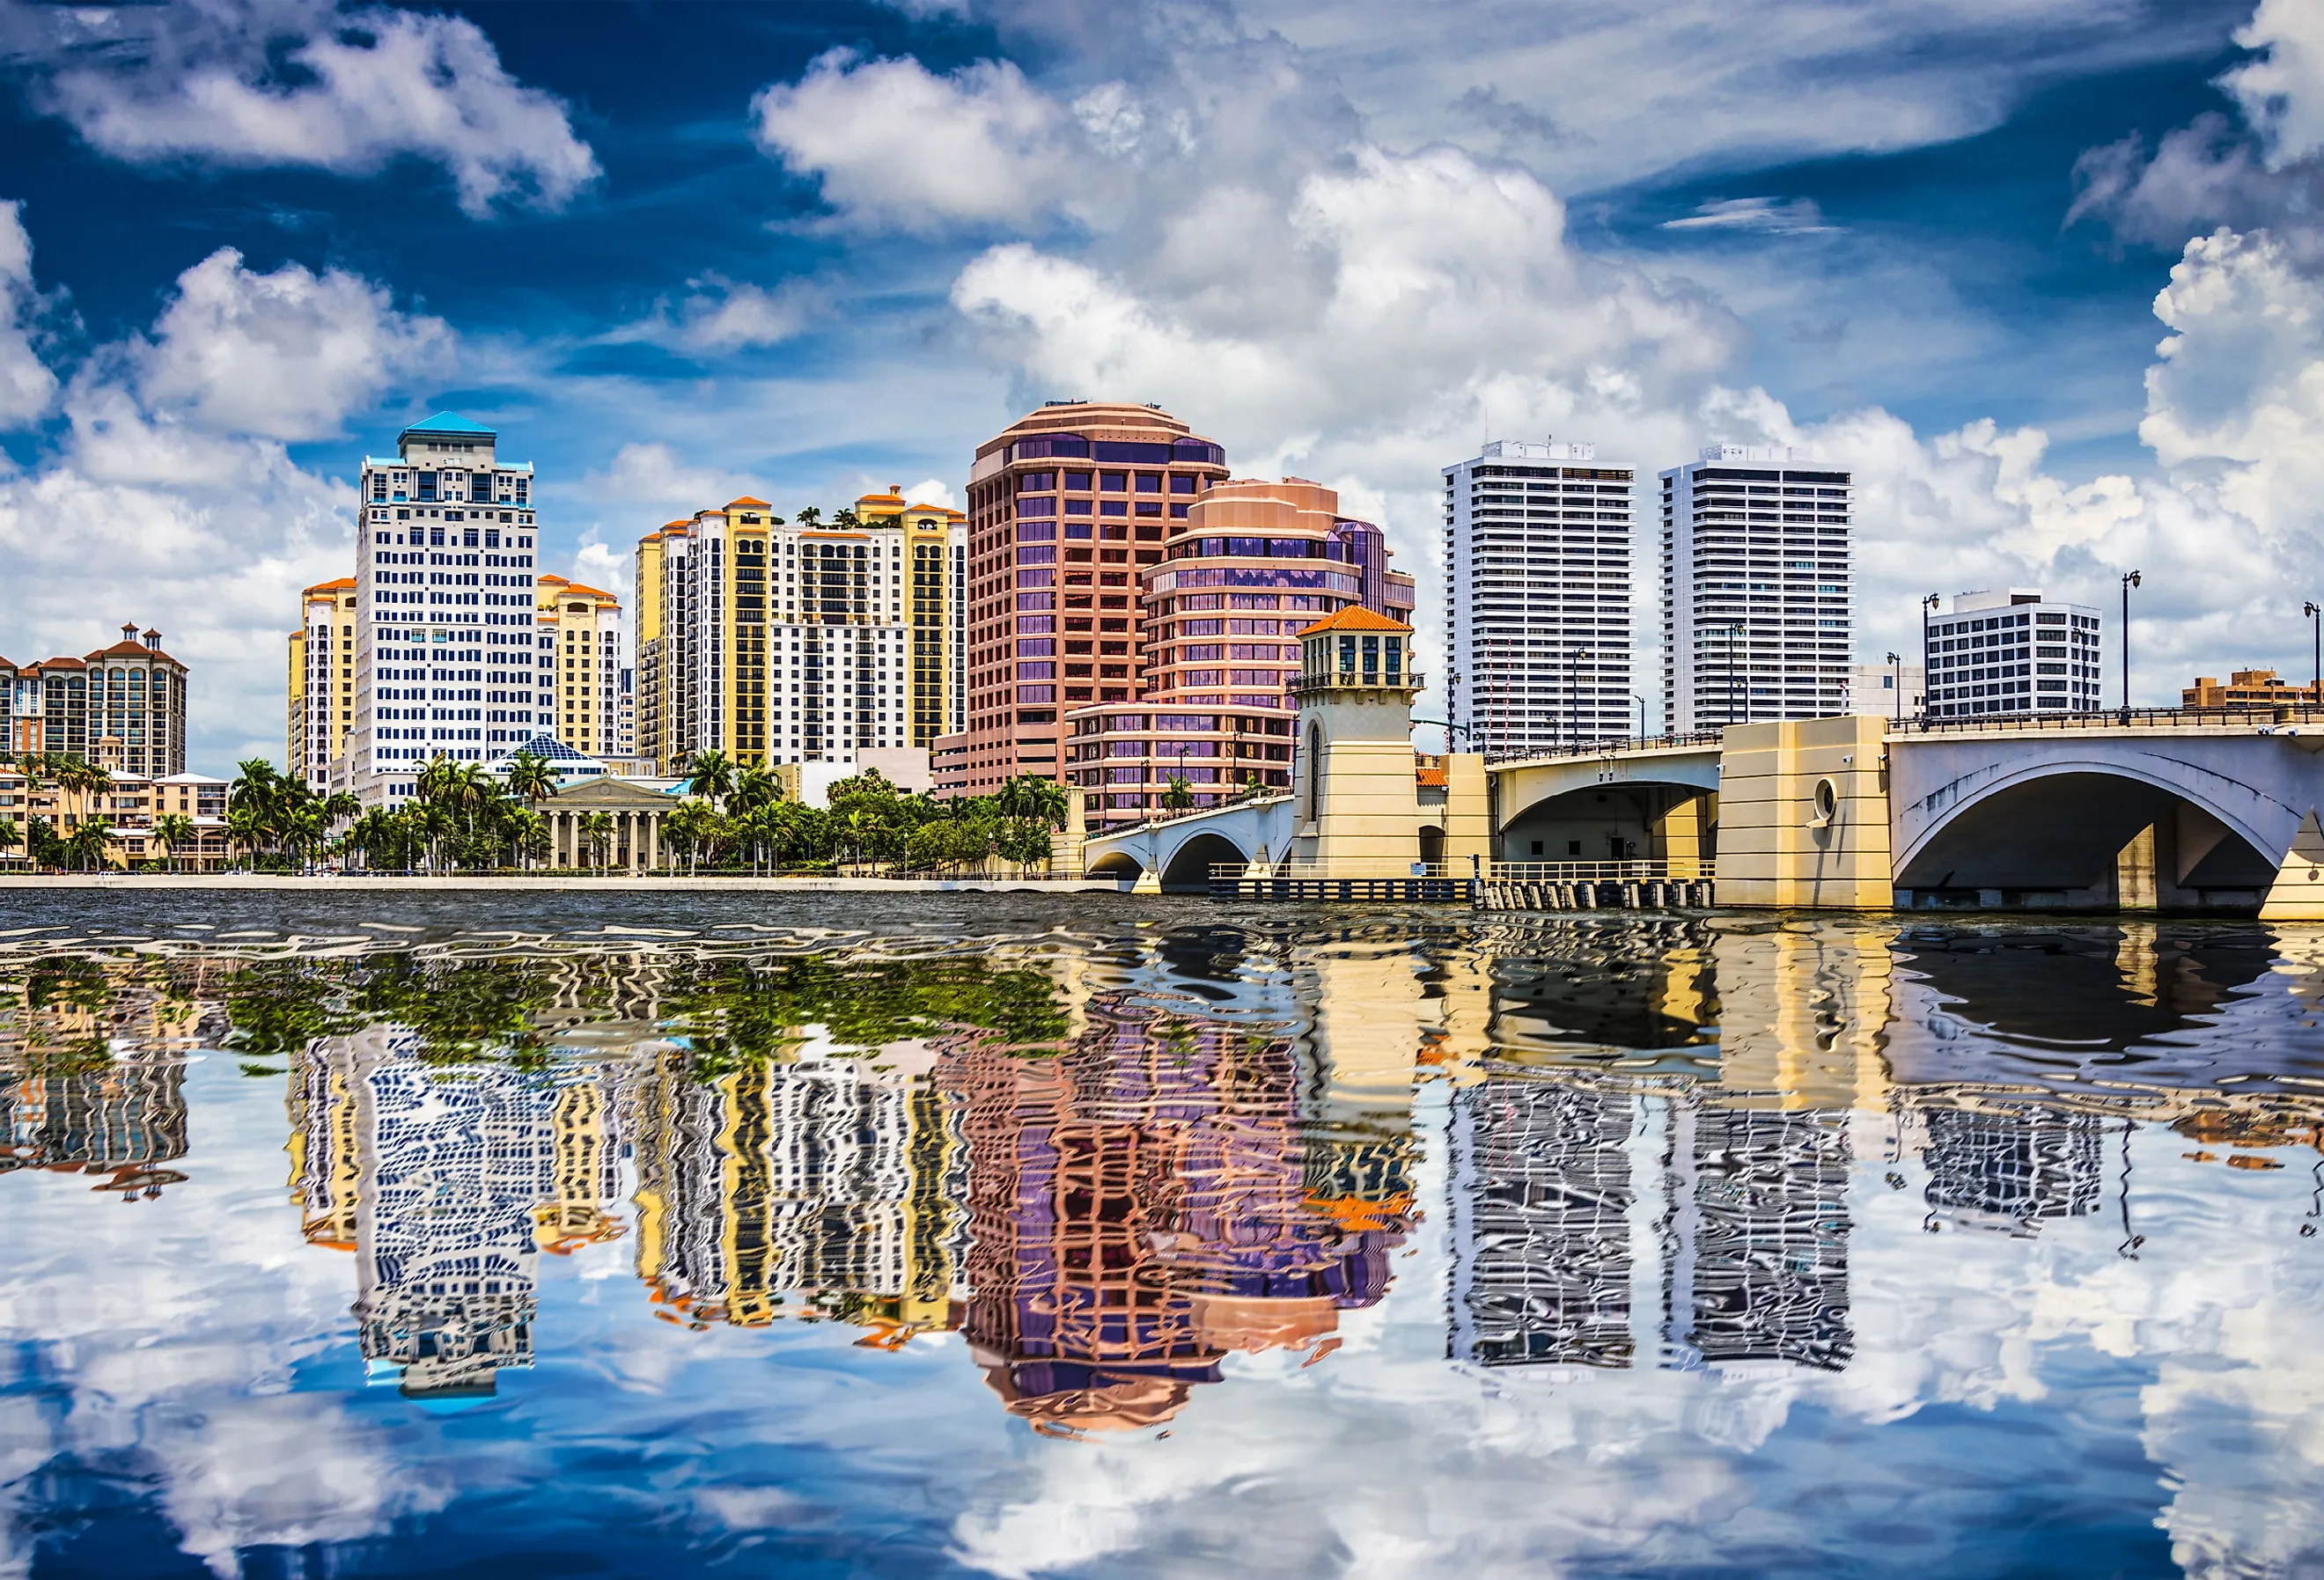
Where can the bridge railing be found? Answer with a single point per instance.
(1605, 748)
(1267, 796)
(1230, 872)
(1675, 870)
(2244, 715)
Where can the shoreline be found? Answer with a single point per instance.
(260, 883)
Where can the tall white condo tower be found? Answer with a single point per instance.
(1537, 633)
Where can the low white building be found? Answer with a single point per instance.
(2014, 651)
(1891, 690)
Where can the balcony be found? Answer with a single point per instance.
(1358, 680)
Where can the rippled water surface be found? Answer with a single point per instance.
(1020, 1235)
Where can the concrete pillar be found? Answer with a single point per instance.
(2134, 874)
(1803, 816)
(2298, 893)
(1468, 813)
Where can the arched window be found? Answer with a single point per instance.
(1315, 772)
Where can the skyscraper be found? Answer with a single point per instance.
(448, 658)
(1249, 565)
(581, 627)
(796, 642)
(1537, 633)
(1064, 508)
(322, 681)
(1758, 595)
(122, 708)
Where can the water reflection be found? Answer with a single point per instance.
(1753, 1193)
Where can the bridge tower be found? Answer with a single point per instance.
(1356, 803)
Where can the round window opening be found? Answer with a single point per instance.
(1827, 800)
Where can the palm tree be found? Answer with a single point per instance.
(175, 831)
(845, 519)
(87, 844)
(530, 777)
(11, 836)
(597, 833)
(809, 515)
(1178, 795)
(711, 775)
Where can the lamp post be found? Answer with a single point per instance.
(1572, 689)
(2316, 628)
(1928, 666)
(1642, 715)
(2129, 581)
(1896, 663)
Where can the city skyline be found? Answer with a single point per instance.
(1944, 256)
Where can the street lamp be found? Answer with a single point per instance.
(1896, 663)
(1927, 668)
(2129, 581)
(1642, 715)
(1573, 690)
(2315, 627)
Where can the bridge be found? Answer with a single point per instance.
(2210, 810)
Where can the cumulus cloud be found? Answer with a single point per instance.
(652, 478)
(895, 144)
(169, 497)
(27, 385)
(2283, 92)
(302, 82)
(284, 355)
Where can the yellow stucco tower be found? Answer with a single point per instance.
(1357, 811)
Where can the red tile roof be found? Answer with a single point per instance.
(1356, 617)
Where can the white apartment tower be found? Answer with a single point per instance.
(2014, 651)
(1758, 595)
(1537, 633)
(450, 656)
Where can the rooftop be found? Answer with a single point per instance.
(1356, 617)
(447, 425)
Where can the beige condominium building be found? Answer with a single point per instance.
(322, 681)
(122, 707)
(1066, 509)
(580, 629)
(796, 641)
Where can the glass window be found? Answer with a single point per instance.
(1114, 482)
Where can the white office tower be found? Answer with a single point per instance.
(449, 656)
(1758, 597)
(1893, 691)
(2014, 651)
(1537, 600)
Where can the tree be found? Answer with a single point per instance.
(11, 837)
(88, 845)
(44, 844)
(597, 833)
(810, 515)
(710, 775)
(175, 832)
(530, 776)
(1178, 795)
(845, 519)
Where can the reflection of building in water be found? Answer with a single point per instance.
(447, 1185)
(126, 1118)
(809, 1188)
(1759, 1268)
(1541, 1224)
(1144, 1202)
(2012, 1168)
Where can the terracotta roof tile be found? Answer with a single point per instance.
(1356, 617)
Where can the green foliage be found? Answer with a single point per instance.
(736, 1012)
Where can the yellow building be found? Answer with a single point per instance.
(581, 627)
(2246, 688)
(936, 555)
(780, 641)
(322, 690)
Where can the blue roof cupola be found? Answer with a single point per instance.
(447, 425)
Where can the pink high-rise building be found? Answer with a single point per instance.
(1064, 508)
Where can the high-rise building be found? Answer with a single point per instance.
(1249, 566)
(2014, 651)
(1758, 593)
(582, 628)
(1538, 634)
(794, 641)
(1890, 690)
(122, 708)
(1064, 508)
(322, 692)
(448, 659)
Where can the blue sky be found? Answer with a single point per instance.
(677, 251)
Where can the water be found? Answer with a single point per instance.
(1013, 1236)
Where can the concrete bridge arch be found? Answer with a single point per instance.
(1177, 854)
(2047, 820)
(1640, 804)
